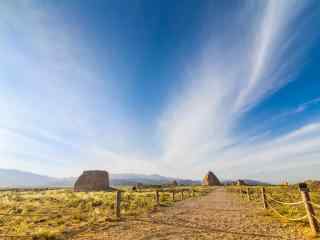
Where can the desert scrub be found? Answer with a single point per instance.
(133, 203)
(287, 194)
(53, 214)
(46, 234)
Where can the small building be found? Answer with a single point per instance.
(210, 180)
(91, 181)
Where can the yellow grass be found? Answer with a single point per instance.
(56, 214)
(287, 194)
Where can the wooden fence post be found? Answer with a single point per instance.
(117, 204)
(263, 197)
(157, 197)
(173, 197)
(248, 194)
(309, 208)
(182, 197)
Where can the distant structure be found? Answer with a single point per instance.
(174, 183)
(211, 180)
(138, 186)
(90, 181)
(241, 182)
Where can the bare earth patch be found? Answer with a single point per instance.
(219, 215)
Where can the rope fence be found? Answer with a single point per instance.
(284, 203)
(305, 203)
(316, 218)
(122, 199)
(314, 204)
(288, 219)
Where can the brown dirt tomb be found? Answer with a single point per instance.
(241, 183)
(93, 180)
(211, 180)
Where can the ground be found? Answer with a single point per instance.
(219, 215)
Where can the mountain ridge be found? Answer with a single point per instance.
(18, 178)
(13, 178)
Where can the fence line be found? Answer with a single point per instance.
(289, 219)
(316, 218)
(314, 222)
(21, 215)
(119, 198)
(314, 204)
(15, 236)
(284, 203)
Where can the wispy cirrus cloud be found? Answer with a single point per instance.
(230, 77)
(296, 149)
(60, 110)
(299, 109)
(63, 111)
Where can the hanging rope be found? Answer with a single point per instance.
(316, 218)
(314, 204)
(284, 203)
(29, 215)
(289, 219)
(16, 236)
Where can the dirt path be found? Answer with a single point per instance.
(219, 215)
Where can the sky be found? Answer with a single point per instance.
(175, 88)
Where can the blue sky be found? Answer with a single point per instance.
(169, 87)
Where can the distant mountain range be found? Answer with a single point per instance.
(11, 178)
(246, 181)
(16, 178)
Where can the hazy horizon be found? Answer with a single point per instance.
(175, 88)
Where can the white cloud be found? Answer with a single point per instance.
(297, 148)
(229, 79)
(58, 115)
(56, 104)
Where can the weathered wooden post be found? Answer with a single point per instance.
(182, 197)
(118, 204)
(309, 208)
(248, 194)
(263, 198)
(173, 197)
(157, 197)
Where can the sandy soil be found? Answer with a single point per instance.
(219, 215)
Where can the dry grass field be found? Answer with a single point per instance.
(290, 213)
(58, 214)
(63, 214)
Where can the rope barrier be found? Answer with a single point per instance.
(19, 215)
(15, 236)
(284, 203)
(289, 219)
(314, 204)
(70, 212)
(39, 214)
(316, 218)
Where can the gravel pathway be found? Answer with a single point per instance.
(219, 215)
